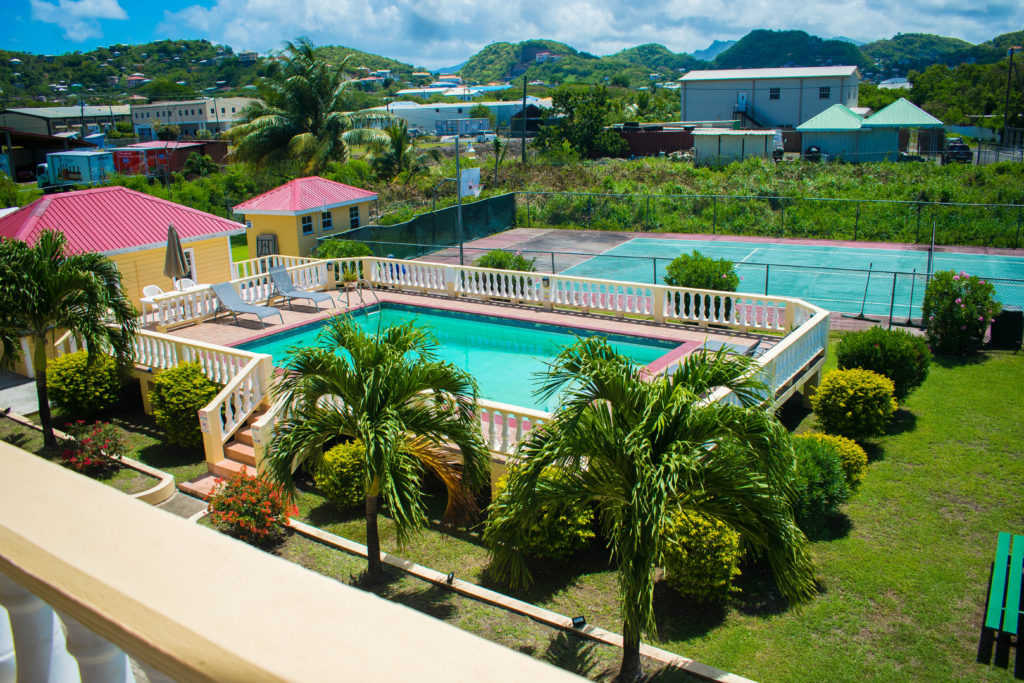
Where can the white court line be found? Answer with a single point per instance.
(744, 259)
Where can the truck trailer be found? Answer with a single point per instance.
(74, 168)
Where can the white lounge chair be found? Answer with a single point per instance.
(231, 301)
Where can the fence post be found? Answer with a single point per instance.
(714, 213)
(783, 233)
(552, 263)
(590, 211)
(892, 299)
(856, 223)
(527, 209)
(648, 219)
(917, 230)
(1016, 242)
(654, 271)
(766, 266)
(658, 305)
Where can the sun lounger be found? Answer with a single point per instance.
(231, 301)
(284, 287)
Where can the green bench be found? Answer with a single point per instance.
(1003, 609)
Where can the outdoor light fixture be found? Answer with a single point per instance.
(546, 281)
(451, 577)
(579, 622)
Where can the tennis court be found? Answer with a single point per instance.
(839, 278)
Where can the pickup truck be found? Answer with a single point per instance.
(957, 151)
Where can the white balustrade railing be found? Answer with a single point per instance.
(159, 351)
(504, 426)
(239, 398)
(258, 266)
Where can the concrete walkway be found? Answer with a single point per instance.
(18, 394)
(183, 506)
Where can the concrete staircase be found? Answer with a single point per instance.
(238, 457)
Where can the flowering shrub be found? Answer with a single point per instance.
(178, 394)
(819, 484)
(852, 457)
(854, 403)
(957, 310)
(78, 388)
(899, 355)
(696, 271)
(96, 450)
(702, 556)
(342, 475)
(250, 509)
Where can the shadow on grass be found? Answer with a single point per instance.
(793, 412)
(433, 601)
(903, 421)
(968, 359)
(572, 653)
(873, 451)
(835, 526)
(678, 618)
(550, 576)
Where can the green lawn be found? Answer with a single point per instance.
(903, 573)
(239, 248)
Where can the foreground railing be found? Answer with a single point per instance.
(190, 604)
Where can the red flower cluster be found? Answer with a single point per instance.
(250, 509)
(95, 449)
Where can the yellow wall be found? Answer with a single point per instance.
(146, 267)
(290, 240)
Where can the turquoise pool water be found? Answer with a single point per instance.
(503, 355)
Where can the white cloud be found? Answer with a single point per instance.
(442, 32)
(79, 19)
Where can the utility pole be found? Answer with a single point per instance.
(1006, 106)
(522, 114)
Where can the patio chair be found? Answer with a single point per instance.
(185, 283)
(284, 287)
(231, 301)
(151, 290)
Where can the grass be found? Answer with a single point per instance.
(239, 248)
(903, 572)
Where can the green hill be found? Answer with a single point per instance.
(499, 60)
(335, 53)
(655, 57)
(906, 51)
(763, 48)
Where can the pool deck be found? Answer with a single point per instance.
(225, 332)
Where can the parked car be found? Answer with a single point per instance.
(904, 157)
(486, 136)
(957, 151)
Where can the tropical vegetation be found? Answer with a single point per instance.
(389, 392)
(957, 311)
(639, 449)
(50, 291)
(397, 155)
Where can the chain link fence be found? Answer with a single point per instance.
(991, 225)
(881, 295)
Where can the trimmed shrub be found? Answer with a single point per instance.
(250, 509)
(899, 355)
(178, 394)
(342, 475)
(340, 248)
(77, 388)
(819, 484)
(702, 556)
(852, 457)
(957, 310)
(560, 532)
(696, 271)
(96, 450)
(503, 260)
(854, 403)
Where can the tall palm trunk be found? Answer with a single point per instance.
(375, 569)
(42, 393)
(630, 670)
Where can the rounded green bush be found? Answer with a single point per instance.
(560, 532)
(854, 403)
(957, 310)
(696, 271)
(178, 394)
(819, 484)
(499, 259)
(342, 474)
(852, 457)
(899, 355)
(702, 556)
(78, 388)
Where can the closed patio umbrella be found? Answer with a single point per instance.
(175, 266)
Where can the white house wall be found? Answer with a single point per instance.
(426, 116)
(879, 144)
(798, 98)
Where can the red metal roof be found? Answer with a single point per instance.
(303, 195)
(109, 219)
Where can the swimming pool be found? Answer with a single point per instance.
(833, 277)
(503, 355)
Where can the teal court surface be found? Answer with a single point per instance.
(847, 279)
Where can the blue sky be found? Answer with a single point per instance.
(437, 33)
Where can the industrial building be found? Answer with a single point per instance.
(767, 98)
(216, 114)
(430, 118)
(64, 120)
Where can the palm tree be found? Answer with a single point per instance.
(639, 448)
(399, 154)
(49, 291)
(302, 118)
(389, 392)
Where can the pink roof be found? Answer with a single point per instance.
(160, 144)
(111, 219)
(303, 195)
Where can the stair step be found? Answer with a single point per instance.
(255, 416)
(201, 487)
(228, 468)
(244, 435)
(240, 452)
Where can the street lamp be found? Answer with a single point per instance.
(470, 153)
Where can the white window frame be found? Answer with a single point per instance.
(190, 261)
(303, 223)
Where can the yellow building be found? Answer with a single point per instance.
(289, 219)
(131, 229)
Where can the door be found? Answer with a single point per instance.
(741, 101)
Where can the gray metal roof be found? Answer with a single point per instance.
(72, 112)
(787, 72)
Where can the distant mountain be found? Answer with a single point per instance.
(449, 69)
(917, 51)
(509, 60)
(858, 43)
(713, 50)
(658, 58)
(763, 48)
(359, 58)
